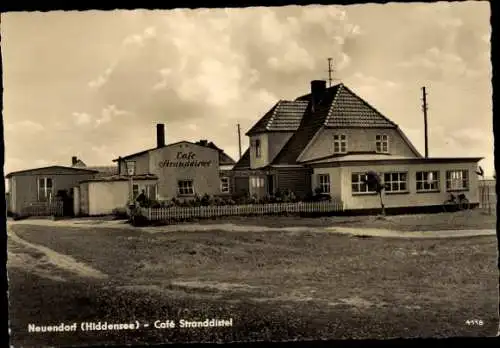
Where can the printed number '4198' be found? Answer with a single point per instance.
(474, 322)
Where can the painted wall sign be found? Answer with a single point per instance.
(183, 160)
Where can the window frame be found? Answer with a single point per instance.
(339, 139)
(382, 139)
(464, 179)
(258, 148)
(398, 182)
(260, 182)
(424, 180)
(359, 183)
(190, 187)
(48, 194)
(324, 184)
(127, 164)
(222, 184)
(148, 191)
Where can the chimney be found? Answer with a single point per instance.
(160, 135)
(318, 88)
(204, 142)
(74, 160)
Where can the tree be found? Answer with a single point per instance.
(374, 183)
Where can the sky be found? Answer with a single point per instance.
(94, 84)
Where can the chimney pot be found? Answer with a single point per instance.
(160, 135)
(74, 160)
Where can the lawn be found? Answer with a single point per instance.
(468, 219)
(274, 285)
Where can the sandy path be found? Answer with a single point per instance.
(230, 227)
(59, 260)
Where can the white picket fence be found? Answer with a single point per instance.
(171, 213)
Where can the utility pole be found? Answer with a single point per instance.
(424, 109)
(330, 71)
(239, 140)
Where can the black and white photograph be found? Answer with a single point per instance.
(220, 175)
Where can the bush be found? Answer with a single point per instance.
(240, 197)
(138, 219)
(206, 200)
(120, 213)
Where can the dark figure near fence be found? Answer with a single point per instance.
(142, 199)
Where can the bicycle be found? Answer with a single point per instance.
(454, 203)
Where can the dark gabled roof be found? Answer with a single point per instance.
(284, 116)
(136, 154)
(350, 110)
(224, 159)
(244, 162)
(339, 108)
(312, 122)
(104, 171)
(79, 164)
(34, 170)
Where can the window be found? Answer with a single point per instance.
(339, 143)
(256, 182)
(135, 190)
(224, 185)
(396, 182)
(382, 143)
(185, 187)
(45, 189)
(457, 180)
(130, 167)
(324, 183)
(257, 148)
(358, 184)
(427, 181)
(151, 191)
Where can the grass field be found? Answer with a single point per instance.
(467, 219)
(275, 285)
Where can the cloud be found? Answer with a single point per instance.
(101, 79)
(218, 67)
(437, 62)
(138, 39)
(25, 126)
(108, 113)
(164, 75)
(82, 118)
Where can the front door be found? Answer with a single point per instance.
(270, 185)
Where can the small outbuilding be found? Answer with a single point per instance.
(40, 186)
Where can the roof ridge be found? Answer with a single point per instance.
(330, 111)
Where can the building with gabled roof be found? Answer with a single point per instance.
(326, 141)
(41, 185)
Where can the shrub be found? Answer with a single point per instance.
(206, 200)
(240, 197)
(120, 213)
(137, 218)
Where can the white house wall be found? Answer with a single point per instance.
(263, 160)
(105, 196)
(368, 201)
(335, 180)
(358, 139)
(205, 177)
